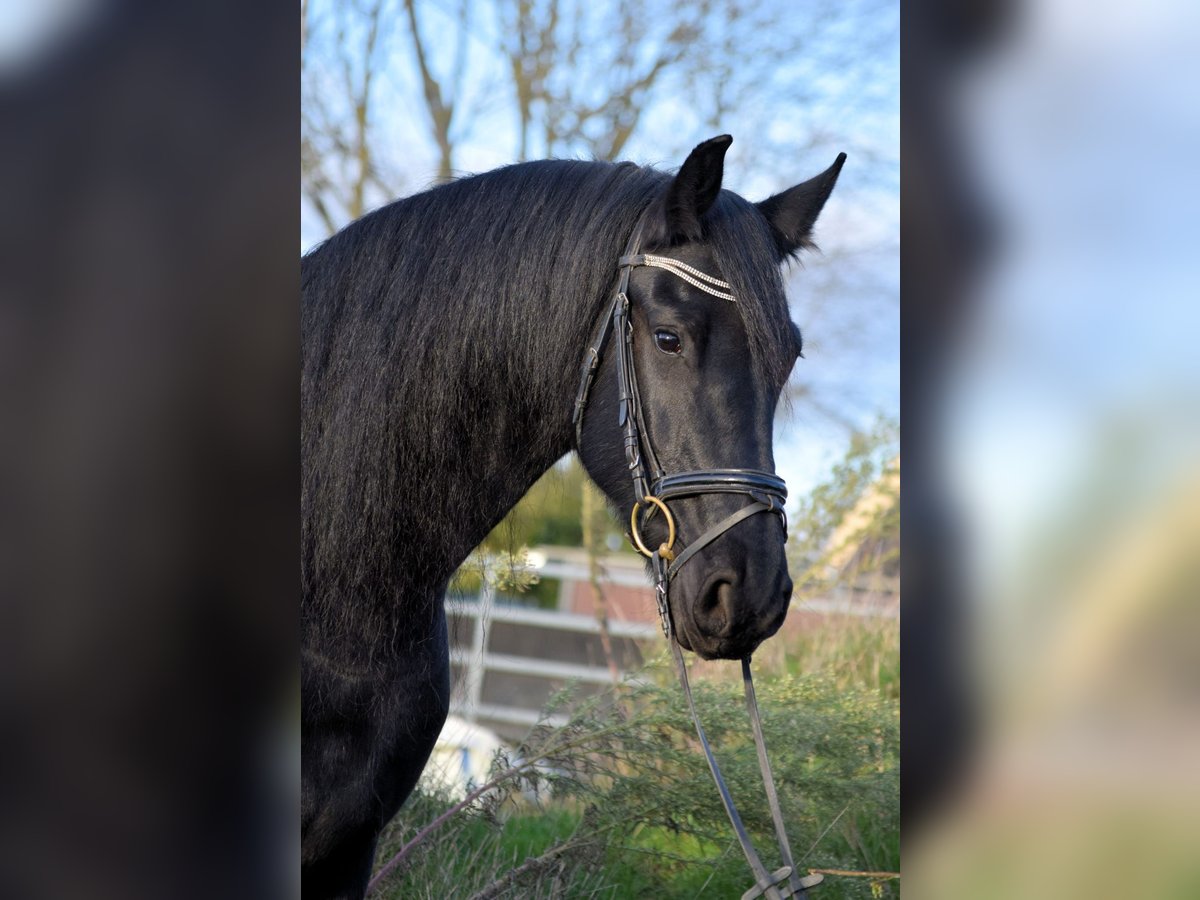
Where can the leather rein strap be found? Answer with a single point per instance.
(766, 492)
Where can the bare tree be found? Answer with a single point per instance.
(441, 95)
(340, 63)
(589, 70)
(584, 79)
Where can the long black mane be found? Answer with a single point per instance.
(434, 324)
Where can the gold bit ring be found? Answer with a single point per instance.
(664, 550)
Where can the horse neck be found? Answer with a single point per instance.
(432, 403)
(481, 421)
(483, 467)
(459, 448)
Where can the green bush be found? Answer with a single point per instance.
(623, 804)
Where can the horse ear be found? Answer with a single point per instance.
(793, 212)
(695, 189)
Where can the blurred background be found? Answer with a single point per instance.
(1052, 714)
(148, 454)
(147, 162)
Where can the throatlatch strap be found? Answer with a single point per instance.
(587, 373)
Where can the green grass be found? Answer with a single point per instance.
(627, 808)
(856, 654)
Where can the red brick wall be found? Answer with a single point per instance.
(629, 604)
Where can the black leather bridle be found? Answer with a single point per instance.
(653, 487)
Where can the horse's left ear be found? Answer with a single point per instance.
(695, 189)
(793, 212)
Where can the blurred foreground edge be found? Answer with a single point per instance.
(148, 464)
(1051, 717)
(945, 237)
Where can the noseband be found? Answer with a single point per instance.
(653, 488)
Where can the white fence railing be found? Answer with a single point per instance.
(475, 658)
(545, 649)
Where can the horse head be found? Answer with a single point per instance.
(711, 345)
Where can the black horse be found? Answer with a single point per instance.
(442, 337)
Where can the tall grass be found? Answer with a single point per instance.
(622, 804)
(854, 653)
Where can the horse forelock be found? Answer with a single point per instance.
(746, 254)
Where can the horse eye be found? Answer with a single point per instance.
(667, 341)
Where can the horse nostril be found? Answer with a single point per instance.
(718, 603)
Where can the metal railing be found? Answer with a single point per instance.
(475, 658)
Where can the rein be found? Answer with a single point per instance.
(766, 492)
